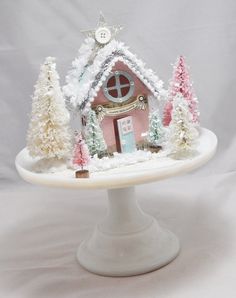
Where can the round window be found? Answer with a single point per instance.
(119, 86)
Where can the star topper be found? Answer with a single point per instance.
(103, 33)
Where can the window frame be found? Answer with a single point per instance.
(118, 86)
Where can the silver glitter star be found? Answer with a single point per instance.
(103, 33)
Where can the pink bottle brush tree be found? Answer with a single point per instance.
(181, 83)
(81, 156)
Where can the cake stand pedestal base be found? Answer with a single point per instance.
(128, 241)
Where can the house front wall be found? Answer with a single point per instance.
(139, 117)
(140, 124)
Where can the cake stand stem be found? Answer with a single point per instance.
(128, 241)
(124, 214)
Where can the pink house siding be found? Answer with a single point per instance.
(140, 117)
(140, 88)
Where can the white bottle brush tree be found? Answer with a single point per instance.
(94, 135)
(48, 134)
(182, 133)
(156, 133)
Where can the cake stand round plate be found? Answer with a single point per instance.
(128, 241)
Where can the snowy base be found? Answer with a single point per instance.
(122, 159)
(122, 170)
(118, 160)
(51, 165)
(97, 164)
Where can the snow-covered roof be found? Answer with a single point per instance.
(91, 68)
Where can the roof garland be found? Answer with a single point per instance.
(86, 77)
(79, 65)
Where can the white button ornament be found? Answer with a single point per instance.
(103, 35)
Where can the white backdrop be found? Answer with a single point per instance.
(41, 228)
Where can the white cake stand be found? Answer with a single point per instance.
(128, 241)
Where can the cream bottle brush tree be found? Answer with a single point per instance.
(49, 134)
(182, 132)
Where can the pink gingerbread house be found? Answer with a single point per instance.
(113, 82)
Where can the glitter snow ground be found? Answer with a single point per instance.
(123, 159)
(98, 164)
(136, 161)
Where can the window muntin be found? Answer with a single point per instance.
(119, 87)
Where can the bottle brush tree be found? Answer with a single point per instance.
(48, 134)
(81, 155)
(180, 83)
(156, 133)
(94, 135)
(182, 132)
